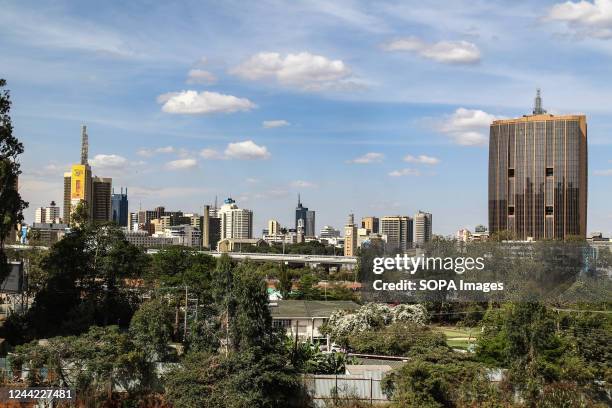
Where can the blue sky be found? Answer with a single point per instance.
(375, 108)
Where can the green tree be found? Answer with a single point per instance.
(11, 204)
(151, 329)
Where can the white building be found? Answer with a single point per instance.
(48, 215)
(329, 232)
(422, 227)
(186, 235)
(235, 222)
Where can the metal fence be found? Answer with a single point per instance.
(324, 388)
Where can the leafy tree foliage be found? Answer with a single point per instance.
(11, 204)
(151, 329)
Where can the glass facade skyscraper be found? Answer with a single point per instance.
(119, 204)
(538, 176)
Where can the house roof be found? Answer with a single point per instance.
(308, 308)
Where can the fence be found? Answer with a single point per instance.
(328, 387)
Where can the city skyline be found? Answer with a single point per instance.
(356, 107)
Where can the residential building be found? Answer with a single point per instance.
(119, 208)
(303, 318)
(307, 218)
(235, 222)
(422, 227)
(538, 175)
(371, 223)
(399, 232)
(350, 237)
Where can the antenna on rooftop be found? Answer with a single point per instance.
(84, 145)
(537, 109)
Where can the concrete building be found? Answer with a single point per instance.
(399, 232)
(48, 215)
(235, 222)
(211, 228)
(119, 208)
(274, 227)
(186, 235)
(538, 175)
(422, 227)
(350, 237)
(371, 223)
(329, 232)
(239, 244)
(145, 240)
(102, 203)
(46, 234)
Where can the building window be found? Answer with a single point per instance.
(549, 172)
(549, 210)
(284, 323)
(510, 172)
(510, 210)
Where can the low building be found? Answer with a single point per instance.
(46, 234)
(145, 240)
(303, 318)
(239, 244)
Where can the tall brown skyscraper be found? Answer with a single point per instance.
(538, 175)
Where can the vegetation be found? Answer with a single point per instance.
(11, 204)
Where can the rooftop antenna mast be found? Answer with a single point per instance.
(84, 145)
(537, 109)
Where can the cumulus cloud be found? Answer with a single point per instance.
(404, 172)
(181, 164)
(303, 184)
(269, 124)
(585, 18)
(200, 76)
(246, 150)
(152, 152)
(303, 70)
(368, 158)
(468, 127)
(447, 52)
(211, 154)
(202, 103)
(421, 159)
(108, 161)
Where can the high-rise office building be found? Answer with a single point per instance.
(101, 199)
(119, 204)
(329, 232)
(398, 230)
(371, 224)
(307, 218)
(274, 227)
(422, 227)
(350, 236)
(538, 175)
(48, 215)
(81, 186)
(211, 227)
(235, 222)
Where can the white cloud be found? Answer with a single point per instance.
(302, 184)
(368, 158)
(404, 172)
(200, 76)
(603, 172)
(304, 70)
(269, 124)
(108, 161)
(151, 152)
(202, 103)
(421, 159)
(246, 150)
(181, 164)
(468, 127)
(585, 18)
(251, 180)
(448, 52)
(211, 154)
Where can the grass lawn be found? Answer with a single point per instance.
(459, 337)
